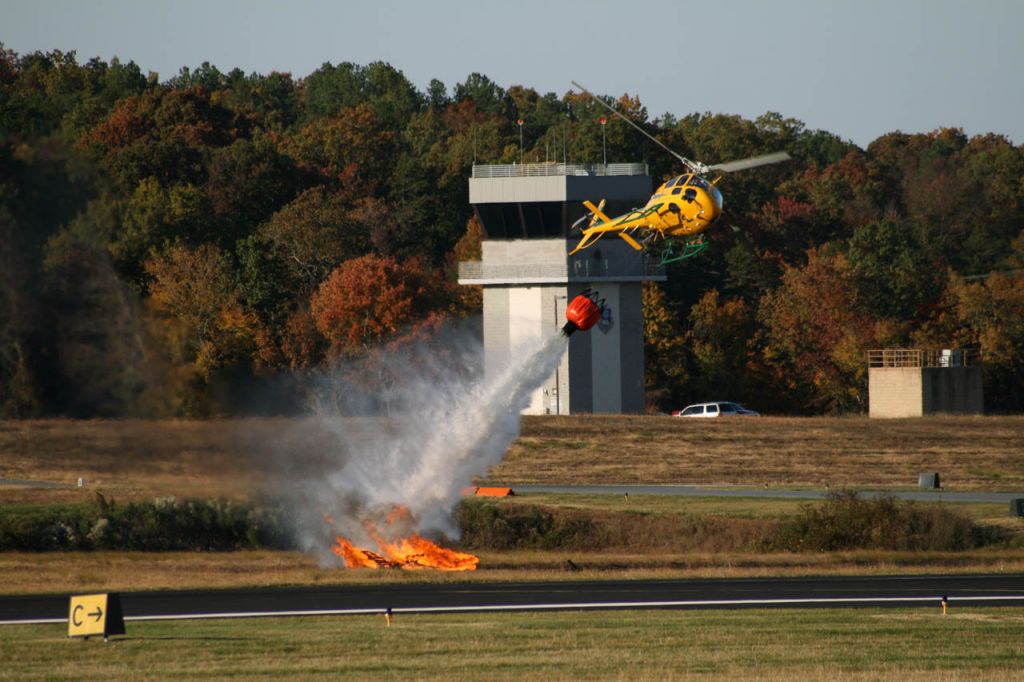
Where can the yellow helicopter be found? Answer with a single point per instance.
(678, 212)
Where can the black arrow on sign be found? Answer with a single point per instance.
(97, 614)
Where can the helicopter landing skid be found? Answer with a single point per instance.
(690, 248)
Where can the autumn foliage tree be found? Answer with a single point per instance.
(271, 223)
(665, 352)
(367, 300)
(722, 340)
(469, 299)
(991, 313)
(818, 334)
(200, 321)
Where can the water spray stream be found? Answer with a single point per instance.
(445, 425)
(476, 434)
(448, 425)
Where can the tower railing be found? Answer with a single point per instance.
(585, 269)
(923, 357)
(523, 170)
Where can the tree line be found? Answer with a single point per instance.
(167, 246)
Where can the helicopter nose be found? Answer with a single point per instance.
(716, 197)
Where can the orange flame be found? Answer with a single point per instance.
(355, 557)
(412, 552)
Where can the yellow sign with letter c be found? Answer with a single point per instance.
(94, 615)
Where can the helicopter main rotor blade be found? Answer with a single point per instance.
(752, 162)
(686, 162)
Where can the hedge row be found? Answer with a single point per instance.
(160, 525)
(844, 521)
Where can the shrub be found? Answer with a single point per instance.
(846, 521)
(494, 525)
(45, 528)
(525, 527)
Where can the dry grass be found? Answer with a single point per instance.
(129, 459)
(728, 507)
(971, 453)
(143, 459)
(62, 572)
(134, 459)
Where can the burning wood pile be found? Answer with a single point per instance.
(398, 547)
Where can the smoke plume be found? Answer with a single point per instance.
(410, 427)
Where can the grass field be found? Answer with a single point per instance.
(145, 459)
(971, 453)
(84, 572)
(915, 644)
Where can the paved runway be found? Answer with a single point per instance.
(701, 491)
(842, 592)
(23, 483)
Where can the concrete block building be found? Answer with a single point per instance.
(527, 212)
(915, 382)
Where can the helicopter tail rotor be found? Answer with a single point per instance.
(593, 217)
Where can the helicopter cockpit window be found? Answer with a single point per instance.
(672, 182)
(717, 195)
(697, 181)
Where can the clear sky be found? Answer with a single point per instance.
(857, 68)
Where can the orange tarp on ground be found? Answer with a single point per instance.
(494, 492)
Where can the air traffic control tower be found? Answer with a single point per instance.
(527, 277)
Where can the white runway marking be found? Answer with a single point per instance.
(694, 603)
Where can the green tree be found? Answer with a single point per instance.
(39, 90)
(155, 217)
(271, 101)
(99, 340)
(248, 181)
(205, 76)
(392, 95)
(437, 95)
(330, 89)
(484, 93)
(19, 390)
(314, 234)
(893, 275)
(751, 270)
